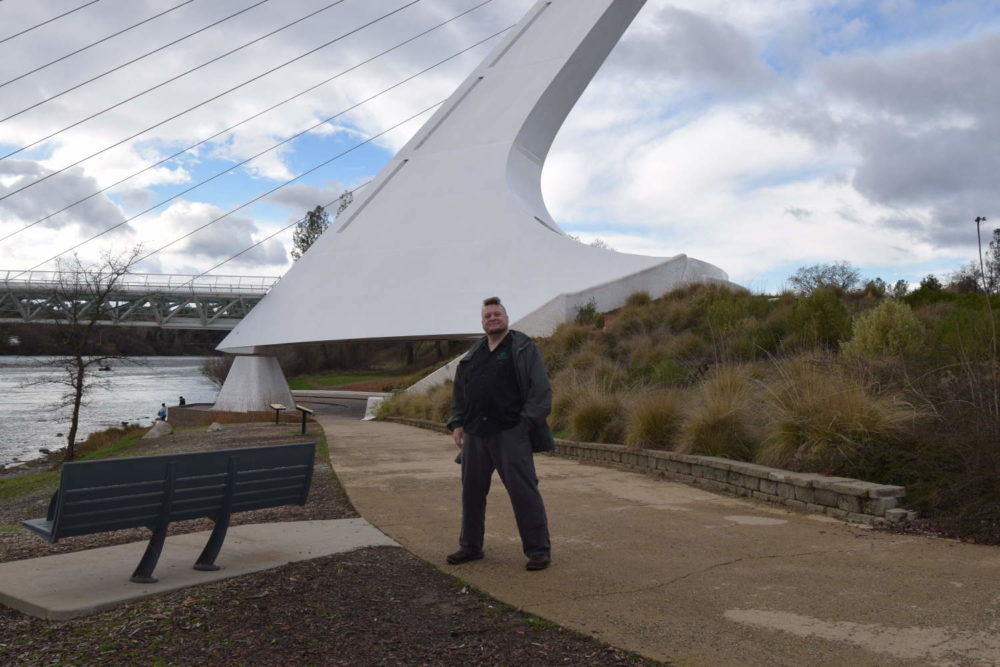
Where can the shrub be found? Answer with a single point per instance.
(596, 416)
(432, 405)
(722, 419)
(638, 299)
(587, 313)
(653, 420)
(819, 320)
(889, 330)
(822, 420)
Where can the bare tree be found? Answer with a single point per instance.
(83, 296)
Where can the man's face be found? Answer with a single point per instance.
(494, 319)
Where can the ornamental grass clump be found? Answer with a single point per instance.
(723, 416)
(594, 414)
(653, 420)
(888, 330)
(822, 420)
(432, 405)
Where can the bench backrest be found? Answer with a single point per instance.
(111, 494)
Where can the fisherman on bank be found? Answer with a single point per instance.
(499, 404)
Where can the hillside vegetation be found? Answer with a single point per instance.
(853, 383)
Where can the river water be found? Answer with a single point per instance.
(29, 419)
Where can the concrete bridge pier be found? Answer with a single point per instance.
(253, 383)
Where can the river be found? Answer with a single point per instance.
(132, 392)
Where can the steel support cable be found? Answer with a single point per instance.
(171, 80)
(92, 44)
(241, 206)
(264, 240)
(196, 106)
(39, 25)
(134, 60)
(230, 168)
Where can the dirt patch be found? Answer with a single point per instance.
(374, 606)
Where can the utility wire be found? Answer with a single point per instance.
(103, 39)
(172, 79)
(260, 113)
(253, 157)
(288, 182)
(241, 206)
(134, 60)
(39, 25)
(266, 238)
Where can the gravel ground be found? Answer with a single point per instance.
(376, 606)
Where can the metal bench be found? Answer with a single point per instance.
(152, 491)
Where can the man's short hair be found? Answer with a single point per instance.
(492, 301)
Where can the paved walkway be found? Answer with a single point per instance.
(74, 584)
(678, 573)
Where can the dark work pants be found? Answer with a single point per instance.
(509, 453)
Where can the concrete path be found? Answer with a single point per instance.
(74, 584)
(678, 573)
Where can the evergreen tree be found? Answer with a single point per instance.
(307, 231)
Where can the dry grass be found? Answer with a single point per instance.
(722, 416)
(653, 419)
(819, 418)
(432, 405)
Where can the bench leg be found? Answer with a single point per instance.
(144, 572)
(206, 561)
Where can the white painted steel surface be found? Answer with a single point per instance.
(457, 215)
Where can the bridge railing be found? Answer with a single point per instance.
(148, 282)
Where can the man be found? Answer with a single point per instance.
(498, 409)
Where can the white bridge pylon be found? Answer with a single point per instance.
(458, 215)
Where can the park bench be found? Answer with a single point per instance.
(152, 491)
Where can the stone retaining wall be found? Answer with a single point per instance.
(839, 497)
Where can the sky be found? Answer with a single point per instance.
(760, 136)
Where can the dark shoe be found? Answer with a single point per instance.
(538, 563)
(463, 556)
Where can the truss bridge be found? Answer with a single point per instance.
(144, 300)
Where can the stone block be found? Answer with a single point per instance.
(719, 474)
(887, 491)
(857, 517)
(854, 488)
(828, 482)
(786, 491)
(715, 462)
(750, 469)
(816, 509)
(849, 503)
(804, 494)
(896, 515)
(835, 512)
(699, 471)
(768, 486)
(797, 504)
(825, 497)
(767, 497)
(878, 506)
(680, 467)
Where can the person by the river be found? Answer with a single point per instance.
(161, 414)
(181, 401)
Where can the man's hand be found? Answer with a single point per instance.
(457, 435)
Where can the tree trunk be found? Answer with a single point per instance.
(78, 385)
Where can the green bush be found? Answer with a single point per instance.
(653, 420)
(889, 330)
(819, 320)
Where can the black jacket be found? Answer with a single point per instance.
(532, 381)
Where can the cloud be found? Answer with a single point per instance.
(698, 48)
(300, 198)
(38, 201)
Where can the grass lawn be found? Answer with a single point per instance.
(329, 380)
